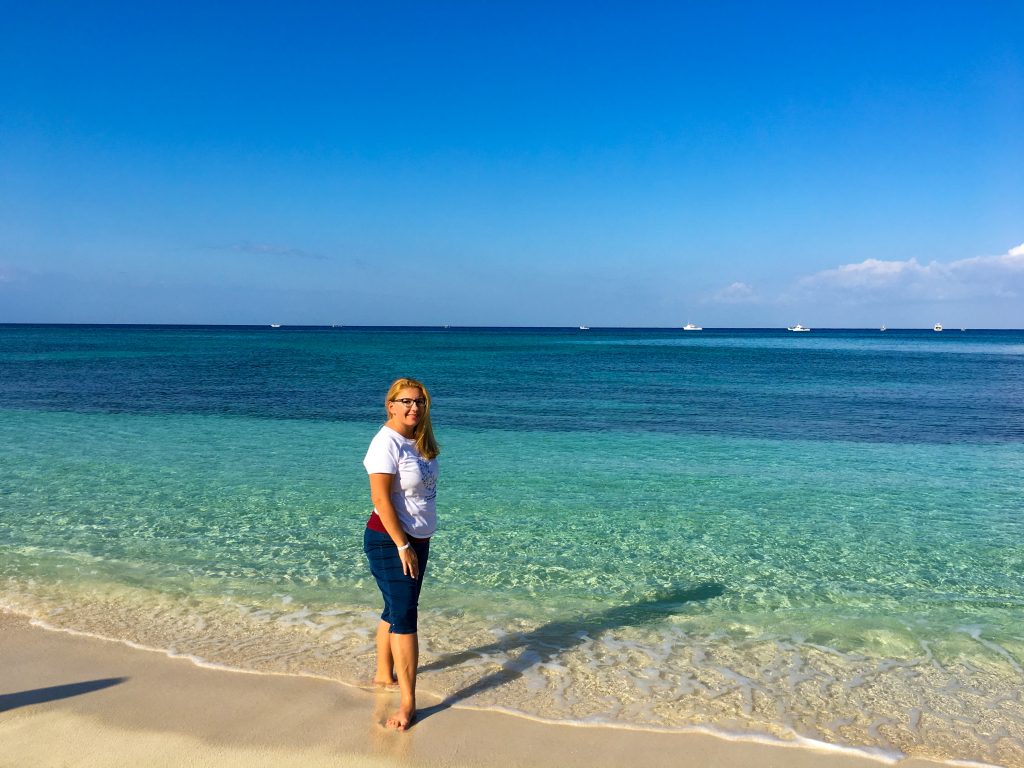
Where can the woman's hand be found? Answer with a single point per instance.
(380, 494)
(410, 562)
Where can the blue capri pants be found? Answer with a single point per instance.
(401, 593)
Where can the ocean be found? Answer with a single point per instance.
(814, 537)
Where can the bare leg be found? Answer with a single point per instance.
(385, 674)
(405, 649)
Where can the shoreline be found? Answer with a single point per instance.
(96, 702)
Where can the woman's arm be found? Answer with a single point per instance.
(380, 494)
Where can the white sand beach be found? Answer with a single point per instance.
(74, 700)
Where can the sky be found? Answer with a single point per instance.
(640, 164)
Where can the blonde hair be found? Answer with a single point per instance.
(424, 432)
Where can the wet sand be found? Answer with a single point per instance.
(73, 700)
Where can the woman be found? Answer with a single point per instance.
(402, 465)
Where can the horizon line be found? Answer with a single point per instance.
(433, 326)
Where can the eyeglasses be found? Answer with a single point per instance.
(408, 402)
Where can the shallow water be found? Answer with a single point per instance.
(814, 535)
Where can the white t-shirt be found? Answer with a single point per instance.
(414, 487)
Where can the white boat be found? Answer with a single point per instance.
(692, 327)
(937, 327)
(799, 329)
(883, 328)
(584, 327)
(275, 325)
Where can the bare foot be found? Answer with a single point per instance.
(402, 719)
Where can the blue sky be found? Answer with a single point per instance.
(615, 164)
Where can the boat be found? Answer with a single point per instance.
(799, 329)
(937, 327)
(883, 329)
(275, 325)
(584, 327)
(692, 327)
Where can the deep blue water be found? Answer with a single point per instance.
(898, 386)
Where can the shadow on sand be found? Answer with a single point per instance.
(548, 641)
(10, 701)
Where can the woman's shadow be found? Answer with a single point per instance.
(550, 640)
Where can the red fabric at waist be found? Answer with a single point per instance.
(376, 524)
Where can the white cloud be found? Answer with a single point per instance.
(871, 273)
(1010, 262)
(737, 293)
(975, 277)
(268, 249)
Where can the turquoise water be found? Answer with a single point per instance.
(810, 536)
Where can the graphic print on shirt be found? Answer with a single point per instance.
(429, 477)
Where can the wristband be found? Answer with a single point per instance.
(405, 546)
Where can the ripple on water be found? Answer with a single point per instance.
(959, 697)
